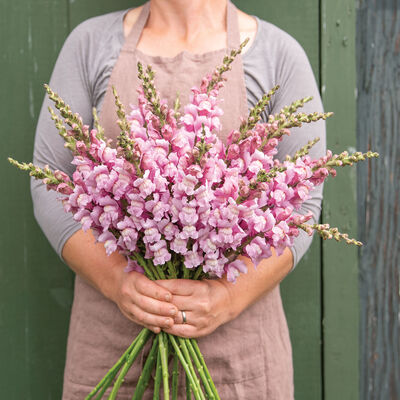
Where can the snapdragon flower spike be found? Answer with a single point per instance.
(124, 141)
(74, 120)
(326, 232)
(326, 165)
(213, 80)
(255, 113)
(57, 180)
(176, 199)
(151, 94)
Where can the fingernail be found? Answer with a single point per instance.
(168, 297)
(172, 311)
(168, 322)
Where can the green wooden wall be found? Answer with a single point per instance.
(378, 66)
(340, 262)
(320, 297)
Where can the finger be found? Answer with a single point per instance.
(200, 307)
(186, 303)
(147, 319)
(154, 329)
(151, 289)
(185, 331)
(181, 287)
(190, 318)
(153, 306)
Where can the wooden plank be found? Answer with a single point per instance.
(301, 295)
(35, 287)
(378, 66)
(301, 290)
(340, 267)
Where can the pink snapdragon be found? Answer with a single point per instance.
(184, 195)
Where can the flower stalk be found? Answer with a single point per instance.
(163, 349)
(146, 372)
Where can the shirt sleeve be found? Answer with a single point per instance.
(69, 80)
(296, 79)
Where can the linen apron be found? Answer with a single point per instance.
(249, 357)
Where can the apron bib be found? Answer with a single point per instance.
(249, 357)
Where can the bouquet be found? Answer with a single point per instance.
(179, 203)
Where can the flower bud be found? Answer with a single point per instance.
(61, 176)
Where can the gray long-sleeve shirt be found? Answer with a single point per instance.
(80, 77)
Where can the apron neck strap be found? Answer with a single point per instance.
(232, 27)
(136, 31)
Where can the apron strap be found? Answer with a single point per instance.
(136, 31)
(232, 27)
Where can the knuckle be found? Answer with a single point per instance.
(125, 291)
(205, 307)
(203, 288)
(140, 317)
(166, 322)
(139, 285)
(140, 302)
(203, 322)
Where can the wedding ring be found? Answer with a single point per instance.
(184, 317)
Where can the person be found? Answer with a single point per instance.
(241, 327)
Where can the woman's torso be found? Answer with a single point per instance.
(249, 357)
(84, 66)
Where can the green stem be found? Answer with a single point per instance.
(164, 364)
(157, 271)
(106, 385)
(188, 390)
(144, 336)
(198, 272)
(112, 372)
(185, 351)
(175, 375)
(146, 372)
(172, 270)
(200, 367)
(186, 273)
(157, 379)
(207, 372)
(142, 262)
(185, 366)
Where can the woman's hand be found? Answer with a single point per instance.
(139, 299)
(144, 301)
(211, 303)
(207, 305)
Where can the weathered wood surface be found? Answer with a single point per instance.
(340, 269)
(378, 62)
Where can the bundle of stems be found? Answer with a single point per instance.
(184, 351)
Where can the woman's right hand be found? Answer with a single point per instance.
(139, 299)
(144, 301)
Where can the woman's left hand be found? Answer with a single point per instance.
(207, 305)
